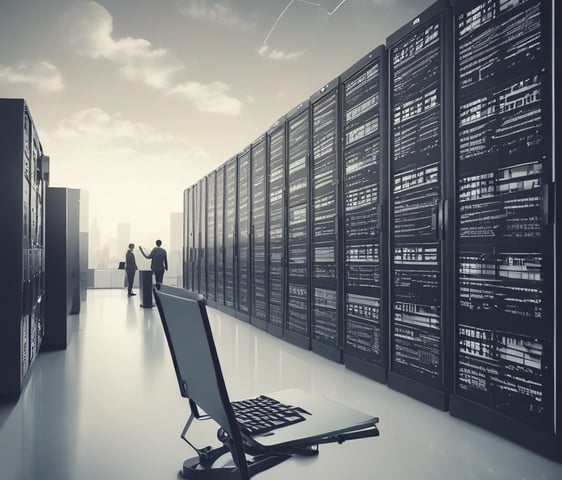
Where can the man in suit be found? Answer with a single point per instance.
(130, 268)
(159, 262)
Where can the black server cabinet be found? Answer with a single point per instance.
(419, 161)
(202, 237)
(62, 264)
(297, 319)
(243, 238)
(22, 196)
(506, 333)
(210, 246)
(196, 217)
(219, 236)
(364, 189)
(191, 238)
(326, 245)
(230, 236)
(258, 234)
(186, 240)
(277, 228)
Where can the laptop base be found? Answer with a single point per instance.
(194, 470)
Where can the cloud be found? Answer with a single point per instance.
(273, 54)
(96, 123)
(209, 98)
(91, 35)
(213, 11)
(41, 75)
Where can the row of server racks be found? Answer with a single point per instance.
(404, 221)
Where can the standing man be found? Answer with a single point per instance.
(159, 262)
(130, 268)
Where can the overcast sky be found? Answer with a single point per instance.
(135, 100)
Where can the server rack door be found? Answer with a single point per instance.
(297, 321)
(203, 237)
(58, 300)
(364, 190)
(22, 192)
(196, 192)
(230, 234)
(192, 237)
(211, 261)
(244, 253)
(276, 149)
(417, 103)
(219, 227)
(258, 231)
(505, 324)
(326, 318)
(186, 240)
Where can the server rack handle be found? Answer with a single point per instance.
(442, 209)
(548, 203)
(438, 220)
(435, 221)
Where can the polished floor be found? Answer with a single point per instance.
(109, 408)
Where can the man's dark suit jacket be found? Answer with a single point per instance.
(130, 262)
(159, 259)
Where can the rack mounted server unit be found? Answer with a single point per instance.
(277, 227)
(419, 161)
(211, 241)
(230, 237)
(364, 168)
(507, 341)
(297, 319)
(243, 243)
(219, 237)
(325, 222)
(22, 193)
(258, 234)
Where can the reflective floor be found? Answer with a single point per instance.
(109, 408)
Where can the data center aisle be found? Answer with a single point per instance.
(109, 408)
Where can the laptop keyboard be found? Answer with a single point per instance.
(263, 414)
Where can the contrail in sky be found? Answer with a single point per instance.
(301, 1)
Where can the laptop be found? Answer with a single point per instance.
(200, 380)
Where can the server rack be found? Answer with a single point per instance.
(211, 261)
(202, 237)
(243, 239)
(277, 227)
(297, 319)
(192, 236)
(186, 240)
(230, 237)
(258, 234)
(419, 102)
(506, 340)
(62, 264)
(219, 236)
(364, 189)
(196, 221)
(325, 233)
(22, 194)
